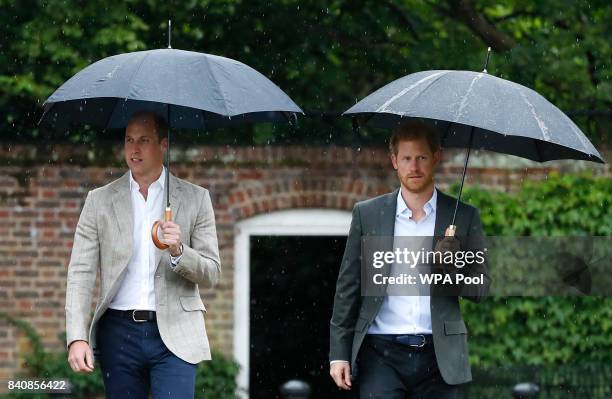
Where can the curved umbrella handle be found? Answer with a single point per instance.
(450, 230)
(156, 240)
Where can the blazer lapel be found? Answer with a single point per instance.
(122, 205)
(387, 213)
(444, 213)
(175, 196)
(387, 226)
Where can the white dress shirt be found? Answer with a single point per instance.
(407, 314)
(137, 290)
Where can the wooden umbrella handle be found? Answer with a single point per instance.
(155, 228)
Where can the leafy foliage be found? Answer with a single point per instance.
(547, 330)
(324, 54)
(570, 204)
(215, 379)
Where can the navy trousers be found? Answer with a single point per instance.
(388, 370)
(135, 362)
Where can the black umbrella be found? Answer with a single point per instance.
(189, 89)
(478, 110)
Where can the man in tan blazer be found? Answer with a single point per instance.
(148, 327)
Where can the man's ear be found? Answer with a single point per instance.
(437, 156)
(164, 143)
(394, 161)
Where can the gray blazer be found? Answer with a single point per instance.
(103, 242)
(353, 314)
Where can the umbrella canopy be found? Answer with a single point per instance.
(478, 110)
(191, 90)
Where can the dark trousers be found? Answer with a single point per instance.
(135, 362)
(393, 371)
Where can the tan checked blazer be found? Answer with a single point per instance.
(103, 242)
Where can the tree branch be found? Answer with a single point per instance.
(346, 40)
(515, 14)
(404, 17)
(445, 12)
(464, 11)
(591, 67)
(590, 56)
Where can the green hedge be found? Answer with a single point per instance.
(215, 379)
(570, 205)
(547, 330)
(562, 343)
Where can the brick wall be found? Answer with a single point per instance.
(42, 190)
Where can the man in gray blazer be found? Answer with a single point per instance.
(405, 346)
(148, 325)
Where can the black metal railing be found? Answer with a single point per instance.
(562, 382)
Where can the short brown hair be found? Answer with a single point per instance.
(414, 130)
(161, 126)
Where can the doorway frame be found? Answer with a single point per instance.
(294, 222)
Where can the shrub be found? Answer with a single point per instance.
(216, 379)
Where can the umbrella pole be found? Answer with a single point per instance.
(168, 149)
(168, 210)
(168, 161)
(484, 69)
(452, 226)
(355, 145)
(169, 33)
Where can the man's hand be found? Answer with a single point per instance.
(172, 237)
(80, 357)
(448, 244)
(341, 373)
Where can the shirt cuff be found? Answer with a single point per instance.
(174, 261)
(337, 361)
